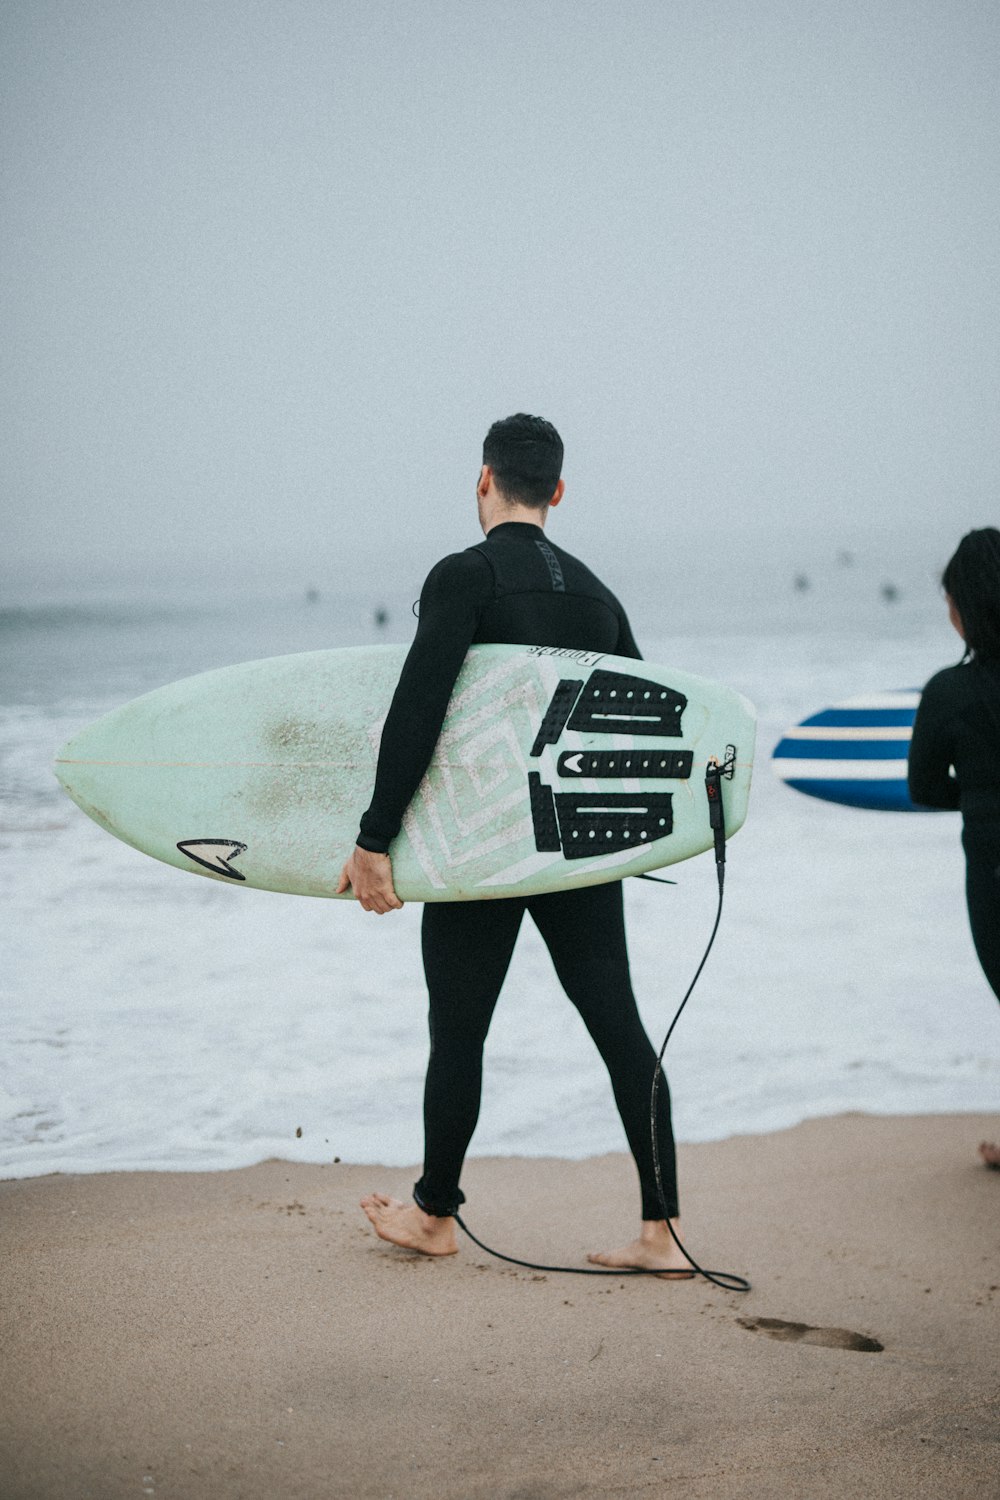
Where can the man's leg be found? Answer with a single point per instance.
(467, 947)
(584, 931)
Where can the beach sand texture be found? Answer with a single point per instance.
(244, 1334)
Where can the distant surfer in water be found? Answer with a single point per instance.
(515, 588)
(955, 750)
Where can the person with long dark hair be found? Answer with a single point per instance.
(955, 750)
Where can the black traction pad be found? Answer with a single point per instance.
(543, 815)
(618, 703)
(556, 714)
(593, 823)
(585, 824)
(647, 765)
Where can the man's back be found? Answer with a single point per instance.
(514, 588)
(541, 596)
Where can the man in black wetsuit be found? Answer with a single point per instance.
(515, 588)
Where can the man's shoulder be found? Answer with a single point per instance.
(470, 563)
(461, 572)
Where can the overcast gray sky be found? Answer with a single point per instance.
(270, 270)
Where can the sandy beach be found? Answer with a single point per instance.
(244, 1334)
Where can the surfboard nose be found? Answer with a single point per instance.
(77, 767)
(68, 758)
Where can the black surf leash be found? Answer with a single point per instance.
(728, 1280)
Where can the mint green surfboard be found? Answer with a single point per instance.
(554, 769)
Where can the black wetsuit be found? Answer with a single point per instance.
(515, 587)
(958, 726)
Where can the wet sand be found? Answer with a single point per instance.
(244, 1336)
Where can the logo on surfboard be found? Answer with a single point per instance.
(214, 855)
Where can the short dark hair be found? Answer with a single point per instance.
(972, 580)
(526, 455)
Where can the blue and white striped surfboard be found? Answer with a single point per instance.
(854, 753)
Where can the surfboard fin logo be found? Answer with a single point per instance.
(214, 855)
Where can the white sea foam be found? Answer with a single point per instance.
(152, 1019)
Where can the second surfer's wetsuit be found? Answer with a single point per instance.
(515, 588)
(957, 728)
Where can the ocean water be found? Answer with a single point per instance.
(152, 1019)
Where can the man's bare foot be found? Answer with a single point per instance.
(407, 1225)
(990, 1154)
(654, 1250)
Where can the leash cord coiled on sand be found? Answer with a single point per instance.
(727, 1280)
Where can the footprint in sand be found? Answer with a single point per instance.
(804, 1333)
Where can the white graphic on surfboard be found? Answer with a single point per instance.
(480, 750)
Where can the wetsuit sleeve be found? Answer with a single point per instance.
(451, 602)
(932, 749)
